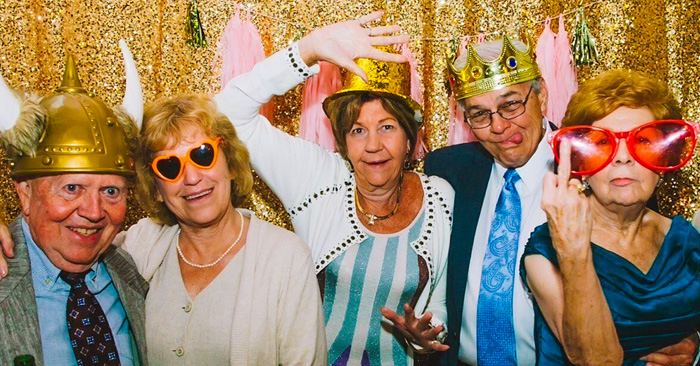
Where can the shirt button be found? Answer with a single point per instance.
(188, 308)
(179, 352)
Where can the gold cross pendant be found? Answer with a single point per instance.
(371, 219)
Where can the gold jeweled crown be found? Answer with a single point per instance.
(479, 76)
(388, 79)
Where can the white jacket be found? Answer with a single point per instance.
(316, 186)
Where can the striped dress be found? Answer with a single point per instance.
(383, 270)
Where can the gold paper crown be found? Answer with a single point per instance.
(388, 79)
(81, 135)
(479, 76)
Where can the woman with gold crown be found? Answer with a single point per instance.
(378, 231)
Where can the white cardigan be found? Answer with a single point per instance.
(316, 186)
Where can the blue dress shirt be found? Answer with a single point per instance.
(51, 298)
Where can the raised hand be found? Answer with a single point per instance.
(417, 330)
(342, 43)
(567, 207)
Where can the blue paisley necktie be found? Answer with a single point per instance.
(495, 334)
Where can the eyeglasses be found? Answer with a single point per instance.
(170, 168)
(510, 110)
(659, 146)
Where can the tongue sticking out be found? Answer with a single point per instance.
(515, 139)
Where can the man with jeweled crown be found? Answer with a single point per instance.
(70, 297)
(498, 190)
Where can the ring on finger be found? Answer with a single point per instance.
(581, 188)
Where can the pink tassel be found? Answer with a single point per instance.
(240, 49)
(228, 46)
(566, 80)
(421, 149)
(459, 132)
(315, 126)
(545, 59)
(416, 85)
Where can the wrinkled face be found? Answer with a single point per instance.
(377, 146)
(73, 218)
(624, 181)
(201, 196)
(511, 142)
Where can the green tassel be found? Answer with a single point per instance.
(195, 30)
(583, 43)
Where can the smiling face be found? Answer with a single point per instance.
(377, 147)
(624, 181)
(73, 218)
(511, 142)
(200, 197)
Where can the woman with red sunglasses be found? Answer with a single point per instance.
(613, 280)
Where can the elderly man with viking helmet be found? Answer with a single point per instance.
(498, 190)
(71, 297)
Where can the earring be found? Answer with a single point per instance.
(661, 180)
(348, 164)
(585, 186)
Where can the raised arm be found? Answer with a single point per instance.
(292, 167)
(571, 297)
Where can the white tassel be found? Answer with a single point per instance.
(133, 95)
(10, 107)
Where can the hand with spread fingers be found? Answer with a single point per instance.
(567, 207)
(418, 331)
(342, 43)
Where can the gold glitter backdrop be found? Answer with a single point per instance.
(656, 36)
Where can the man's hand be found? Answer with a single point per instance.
(7, 248)
(682, 353)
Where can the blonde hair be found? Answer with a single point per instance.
(164, 121)
(613, 89)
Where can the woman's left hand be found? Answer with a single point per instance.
(417, 330)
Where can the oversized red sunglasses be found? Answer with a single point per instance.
(170, 167)
(660, 146)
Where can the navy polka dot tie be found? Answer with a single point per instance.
(88, 329)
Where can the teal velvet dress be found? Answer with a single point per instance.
(651, 310)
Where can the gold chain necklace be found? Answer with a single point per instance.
(372, 217)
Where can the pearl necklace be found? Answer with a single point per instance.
(212, 264)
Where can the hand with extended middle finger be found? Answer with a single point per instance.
(567, 208)
(342, 43)
(417, 330)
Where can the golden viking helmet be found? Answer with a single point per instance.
(479, 76)
(82, 135)
(388, 79)
(72, 130)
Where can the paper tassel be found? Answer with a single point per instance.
(566, 81)
(195, 29)
(421, 149)
(545, 52)
(459, 131)
(315, 125)
(583, 43)
(240, 49)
